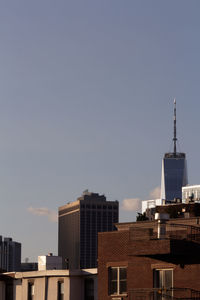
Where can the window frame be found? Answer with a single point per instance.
(118, 280)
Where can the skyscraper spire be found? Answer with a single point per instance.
(175, 138)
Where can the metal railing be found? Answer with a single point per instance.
(164, 294)
(192, 232)
(178, 231)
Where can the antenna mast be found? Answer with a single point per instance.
(175, 138)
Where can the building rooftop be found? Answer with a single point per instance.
(87, 196)
(189, 186)
(48, 273)
(147, 224)
(174, 155)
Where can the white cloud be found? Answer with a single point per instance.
(133, 204)
(155, 193)
(44, 211)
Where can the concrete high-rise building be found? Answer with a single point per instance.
(78, 225)
(174, 171)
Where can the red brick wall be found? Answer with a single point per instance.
(112, 251)
(115, 249)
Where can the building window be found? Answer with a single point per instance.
(60, 290)
(9, 291)
(89, 289)
(117, 280)
(31, 291)
(163, 278)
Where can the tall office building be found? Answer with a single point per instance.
(174, 171)
(78, 225)
(10, 255)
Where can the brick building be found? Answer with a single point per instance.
(137, 262)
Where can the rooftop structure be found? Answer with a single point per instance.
(148, 204)
(180, 210)
(149, 207)
(49, 262)
(191, 193)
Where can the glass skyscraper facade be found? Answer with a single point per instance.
(174, 176)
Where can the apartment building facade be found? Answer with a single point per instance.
(49, 285)
(135, 263)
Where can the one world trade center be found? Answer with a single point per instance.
(174, 171)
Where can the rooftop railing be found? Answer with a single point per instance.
(192, 232)
(164, 294)
(173, 231)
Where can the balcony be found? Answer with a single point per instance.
(178, 240)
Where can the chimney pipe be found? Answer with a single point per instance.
(162, 218)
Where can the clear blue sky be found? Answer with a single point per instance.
(86, 102)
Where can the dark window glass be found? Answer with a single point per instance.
(9, 291)
(115, 218)
(122, 273)
(122, 279)
(89, 289)
(113, 289)
(60, 290)
(113, 272)
(122, 287)
(31, 291)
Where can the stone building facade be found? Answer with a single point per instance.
(49, 285)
